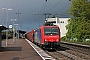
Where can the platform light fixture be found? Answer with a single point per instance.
(7, 23)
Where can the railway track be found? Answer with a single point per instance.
(77, 51)
(85, 49)
(58, 56)
(71, 52)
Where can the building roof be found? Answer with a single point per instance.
(3, 28)
(53, 20)
(22, 32)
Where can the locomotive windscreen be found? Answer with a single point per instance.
(51, 31)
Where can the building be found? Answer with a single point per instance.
(61, 22)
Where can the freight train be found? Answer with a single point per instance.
(47, 37)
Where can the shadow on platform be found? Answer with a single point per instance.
(10, 48)
(15, 58)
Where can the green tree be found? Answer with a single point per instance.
(79, 24)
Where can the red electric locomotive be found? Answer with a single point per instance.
(48, 37)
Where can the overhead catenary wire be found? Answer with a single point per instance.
(12, 4)
(44, 8)
(16, 12)
(64, 14)
(54, 6)
(17, 5)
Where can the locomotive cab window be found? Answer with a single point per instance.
(51, 31)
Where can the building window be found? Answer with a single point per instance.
(62, 22)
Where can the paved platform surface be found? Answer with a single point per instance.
(19, 50)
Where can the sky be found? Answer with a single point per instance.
(24, 12)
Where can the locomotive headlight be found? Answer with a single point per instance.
(45, 39)
(57, 40)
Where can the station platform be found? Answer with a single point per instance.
(18, 50)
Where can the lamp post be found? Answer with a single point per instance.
(13, 28)
(16, 25)
(7, 23)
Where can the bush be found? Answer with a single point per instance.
(64, 38)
